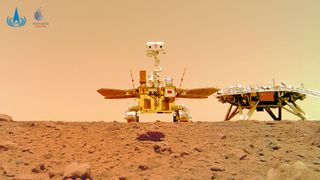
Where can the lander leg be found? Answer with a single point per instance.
(239, 110)
(274, 117)
(295, 109)
(254, 105)
(230, 114)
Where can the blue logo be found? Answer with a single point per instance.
(16, 20)
(38, 15)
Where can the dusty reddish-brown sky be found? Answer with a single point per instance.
(53, 73)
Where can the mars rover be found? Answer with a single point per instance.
(154, 95)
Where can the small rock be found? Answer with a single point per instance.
(274, 145)
(75, 170)
(31, 124)
(161, 149)
(217, 169)
(6, 118)
(238, 154)
(298, 170)
(51, 125)
(157, 148)
(42, 167)
(18, 162)
(270, 123)
(316, 162)
(39, 168)
(243, 157)
(122, 178)
(198, 150)
(143, 167)
(176, 155)
(184, 154)
(8, 174)
(51, 174)
(151, 136)
(222, 136)
(27, 150)
(7, 145)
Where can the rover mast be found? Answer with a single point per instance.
(155, 75)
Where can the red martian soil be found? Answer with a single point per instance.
(194, 150)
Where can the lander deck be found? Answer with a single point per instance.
(264, 98)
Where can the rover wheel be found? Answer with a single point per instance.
(175, 119)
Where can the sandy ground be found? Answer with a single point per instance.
(199, 150)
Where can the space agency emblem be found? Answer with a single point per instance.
(16, 21)
(40, 19)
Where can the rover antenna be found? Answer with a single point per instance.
(184, 71)
(132, 80)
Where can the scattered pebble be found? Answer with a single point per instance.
(7, 145)
(143, 167)
(243, 157)
(184, 154)
(297, 170)
(39, 168)
(274, 145)
(197, 149)
(217, 169)
(51, 174)
(162, 149)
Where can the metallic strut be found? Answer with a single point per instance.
(274, 117)
(295, 109)
(230, 114)
(252, 109)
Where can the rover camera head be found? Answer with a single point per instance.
(154, 48)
